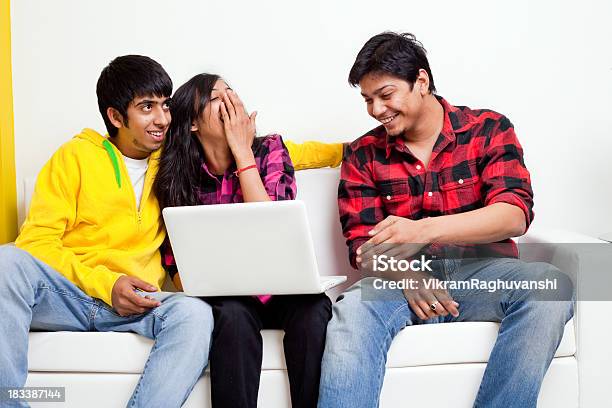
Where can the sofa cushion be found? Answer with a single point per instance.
(447, 343)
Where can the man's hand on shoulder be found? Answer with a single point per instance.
(125, 300)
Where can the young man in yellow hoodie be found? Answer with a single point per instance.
(87, 258)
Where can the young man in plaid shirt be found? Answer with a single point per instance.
(431, 175)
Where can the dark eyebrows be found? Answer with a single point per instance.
(152, 102)
(376, 92)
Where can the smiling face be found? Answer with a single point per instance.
(394, 102)
(210, 123)
(145, 127)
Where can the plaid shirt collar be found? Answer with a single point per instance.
(228, 172)
(455, 121)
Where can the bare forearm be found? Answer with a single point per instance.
(250, 181)
(493, 223)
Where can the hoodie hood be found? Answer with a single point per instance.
(111, 150)
(92, 136)
(102, 141)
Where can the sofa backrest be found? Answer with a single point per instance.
(319, 190)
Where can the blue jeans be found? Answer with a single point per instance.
(34, 296)
(361, 331)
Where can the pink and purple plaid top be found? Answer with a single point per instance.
(277, 174)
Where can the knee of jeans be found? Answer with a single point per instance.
(352, 316)
(192, 315)
(558, 286)
(10, 254)
(12, 260)
(351, 334)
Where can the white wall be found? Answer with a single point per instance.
(545, 64)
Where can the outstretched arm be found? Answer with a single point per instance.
(313, 155)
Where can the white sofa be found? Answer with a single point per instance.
(434, 365)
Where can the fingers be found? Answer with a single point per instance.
(424, 306)
(127, 302)
(252, 126)
(140, 284)
(365, 252)
(374, 246)
(125, 307)
(366, 266)
(231, 110)
(417, 309)
(382, 225)
(451, 306)
(252, 120)
(402, 251)
(236, 102)
(444, 303)
(226, 118)
(421, 301)
(440, 309)
(224, 112)
(381, 236)
(140, 301)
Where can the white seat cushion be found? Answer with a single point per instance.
(448, 343)
(454, 343)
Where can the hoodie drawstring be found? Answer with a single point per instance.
(113, 157)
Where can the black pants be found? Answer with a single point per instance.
(236, 354)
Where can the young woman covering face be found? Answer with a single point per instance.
(212, 157)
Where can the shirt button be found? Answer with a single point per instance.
(418, 167)
(388, 197)
(460, 181)
(429, 194)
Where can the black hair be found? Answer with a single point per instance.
(126, 78)
(399, 55)
(182, 154)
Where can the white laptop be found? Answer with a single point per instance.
(262, 248)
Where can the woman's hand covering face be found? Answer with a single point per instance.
(238, 125)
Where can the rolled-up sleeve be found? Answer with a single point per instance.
(505, 176)
(276, 169)
(168, 261)
(359, 203)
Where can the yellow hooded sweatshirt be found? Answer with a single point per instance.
(83, 219)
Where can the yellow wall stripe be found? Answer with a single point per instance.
(8, 193)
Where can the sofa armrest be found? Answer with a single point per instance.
(606, 237)
(593, 334)
(557, 236)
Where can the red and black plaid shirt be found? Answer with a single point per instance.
(476, 161)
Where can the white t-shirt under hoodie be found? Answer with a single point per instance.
(137, 169)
